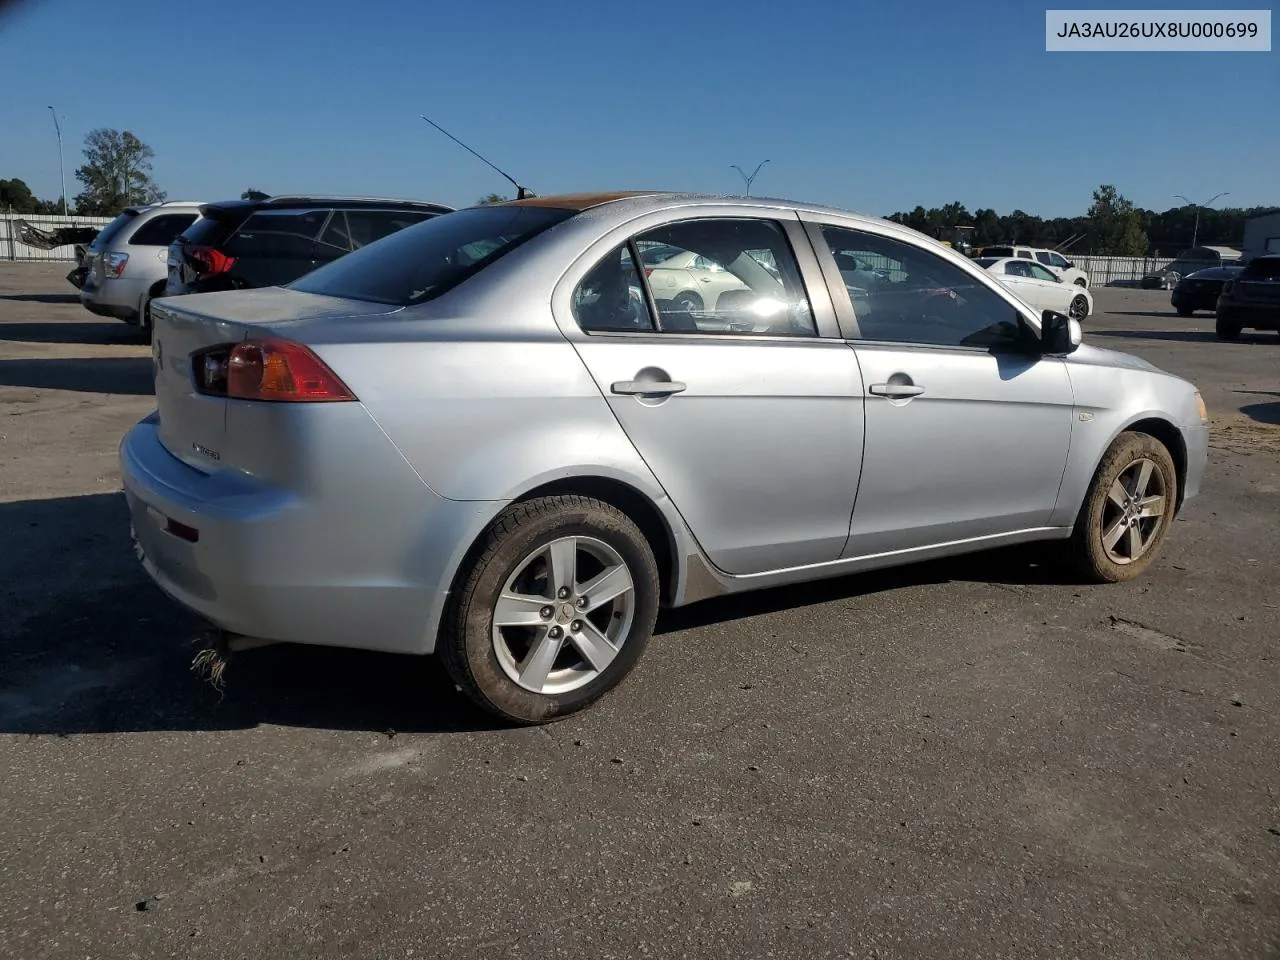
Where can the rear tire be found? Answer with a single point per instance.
(561, 648)
(1184, 311)
(1227, 329)
(1127, 512)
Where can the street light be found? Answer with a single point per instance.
(62, 170)
(1195, 234)
(751, 179)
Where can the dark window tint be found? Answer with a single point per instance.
(366, 226)
(610, 297)
(108, 233)
(336, 239)
(1043, 257)
(424, 261)
(161, 231)
(1025, 254)
(1018, 268)
(997, 252)
(1264, 268)
(285, 234)
(925, 299)
(210, 231)
(736, 277)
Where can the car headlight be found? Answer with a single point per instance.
(1201, 408)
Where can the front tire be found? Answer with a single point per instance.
(553, 611)
(1127, 511)
(1079, 308)
(1184, 311)
(1227, 329)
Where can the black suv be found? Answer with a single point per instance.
(1252, 299)
(241, 244)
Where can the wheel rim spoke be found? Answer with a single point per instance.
(1135, 541)
(1151, 507)
(536, 666)
(1118, 494)
(1112, 536)
(594, 646)
(1144, 478)
(608, 585)
(519, 610)
(562, 564)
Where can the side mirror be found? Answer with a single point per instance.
(1059, 333)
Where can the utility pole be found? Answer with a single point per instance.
(748, 179)
(62, 170)
(1195, 233)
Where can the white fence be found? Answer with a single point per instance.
(11, 248)
(1118, 270)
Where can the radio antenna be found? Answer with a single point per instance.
(522, 193)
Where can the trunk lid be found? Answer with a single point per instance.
(195, 427)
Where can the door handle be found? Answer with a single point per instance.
(648, 388)
(895, 390)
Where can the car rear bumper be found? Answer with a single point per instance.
(271, 564)
(117, 298)
(1186, 300)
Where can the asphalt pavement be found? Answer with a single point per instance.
(968, 759)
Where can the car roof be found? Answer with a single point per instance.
(310, 200)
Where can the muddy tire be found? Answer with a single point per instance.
(1127, 512)
(553, 610)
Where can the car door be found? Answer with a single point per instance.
(1016, 275)
(749, 417)
(1054, 293)
(967, 423)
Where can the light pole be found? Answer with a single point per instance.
(62, 170)
(751, 179)
(1195, 233)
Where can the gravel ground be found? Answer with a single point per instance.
(960, 759)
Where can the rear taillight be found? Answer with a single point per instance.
(280, 371)
(210, 260)
(115, 264)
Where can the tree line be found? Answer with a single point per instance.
(1111, 226)
(116, 173)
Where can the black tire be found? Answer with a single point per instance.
(688, 301)
(1085, 550)
(1184, 311)
(467, 643)
(1227, 329)
(1078, 310)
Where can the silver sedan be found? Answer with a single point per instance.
(489, 437)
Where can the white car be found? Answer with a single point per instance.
(1039, 287)
(1049, 258)
(686, 278)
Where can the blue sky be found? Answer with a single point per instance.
(874, 107)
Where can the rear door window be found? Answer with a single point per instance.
(366, 226)
(284, 234)
(161, 231)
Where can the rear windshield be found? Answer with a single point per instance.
(997, 252)
(210, 229)
(108, 233)
(423, 261)
(1264, 268)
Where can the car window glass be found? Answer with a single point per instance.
(161, 231)
(1025, 254)
(1042, 273)
(610, 297)
(1018, 268)
(756, 290)
(108, 233)
(924, 298)
(288, 234)
(1058, 260)
(366, 226)
(1043, 256)
(336, 239)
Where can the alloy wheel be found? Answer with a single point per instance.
(563, 615)
(1078, 309)
(1134, 511)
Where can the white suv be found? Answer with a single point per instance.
(1050, 258)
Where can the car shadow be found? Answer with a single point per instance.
(133, 376)
(89, 332)
(91, 645)
(1263, 412)
(1162, 314)
(41, 297)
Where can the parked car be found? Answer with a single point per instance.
(1039, 286)
(1252, 299)
(471, 438)
(126, 261)
(1049, 258)
(1189, 261)
(1200, 290)
(239, 244)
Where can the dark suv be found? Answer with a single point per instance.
(241, 244)
(1252, 299)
